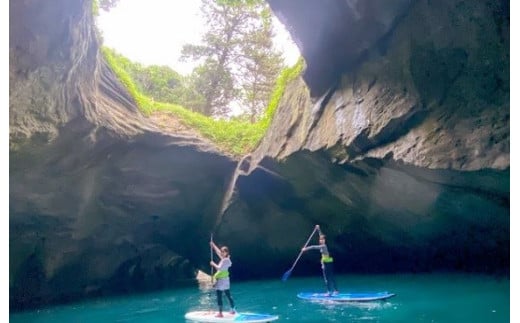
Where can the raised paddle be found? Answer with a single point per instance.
(211, 256)
(288, 272)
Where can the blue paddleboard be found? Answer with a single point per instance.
(209, 316)
(346, 297)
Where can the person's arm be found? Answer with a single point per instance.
(311, 247)
(217, 250)
(317, 227)
(216, 266)
(220, 264)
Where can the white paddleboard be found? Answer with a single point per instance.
(210, 316)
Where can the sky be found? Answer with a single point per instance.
(154, 31)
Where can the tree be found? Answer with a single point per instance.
(161, 83)
(238, 62)
(262, 64)
(219, 49)
(215, 85)
(108, 4)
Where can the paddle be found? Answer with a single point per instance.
(288, 272)
(211, 256)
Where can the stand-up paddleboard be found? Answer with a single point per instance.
(346, 297)
(209, 316)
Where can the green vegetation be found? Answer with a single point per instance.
(117, 66)
(103, 4)
(160, 83)
(237, 59)
(95, 8)
(237, 63)
(235, 136)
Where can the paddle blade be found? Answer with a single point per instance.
(286, 275)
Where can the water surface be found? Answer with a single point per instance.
(420, 298)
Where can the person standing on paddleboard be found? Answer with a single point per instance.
(326, 263)
(222, 283)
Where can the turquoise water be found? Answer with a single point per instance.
(420, 298)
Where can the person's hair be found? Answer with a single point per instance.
(322, 236)
(225, 249)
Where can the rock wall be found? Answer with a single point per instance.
(101, 200)
(398, 146)
(433, 91)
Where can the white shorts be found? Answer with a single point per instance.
(222, 284)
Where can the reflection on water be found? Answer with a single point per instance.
(207, 299)
(446, 298)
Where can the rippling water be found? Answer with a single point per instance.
(420, 298)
